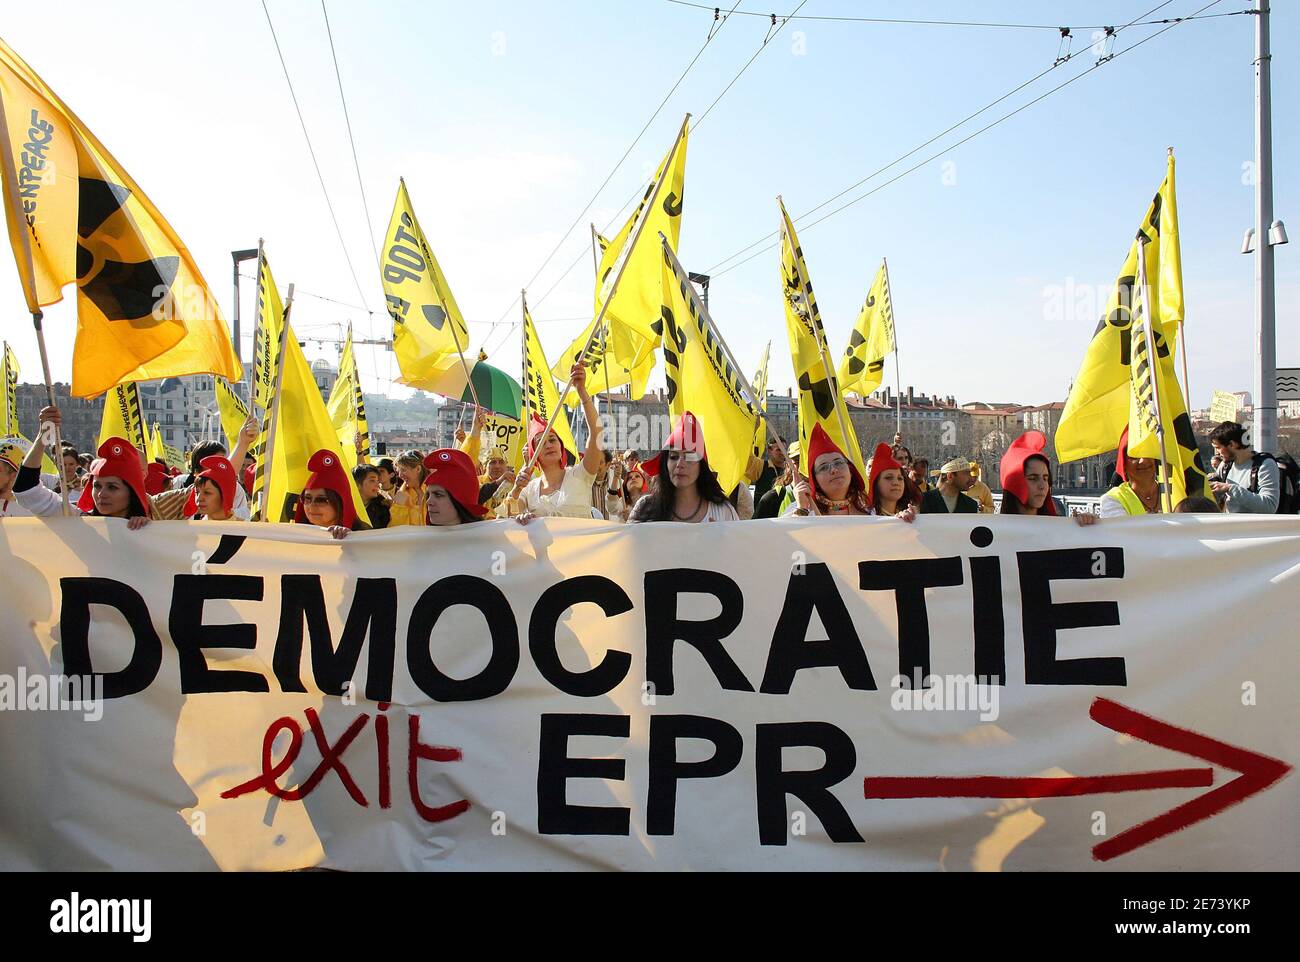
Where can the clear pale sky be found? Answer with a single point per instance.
(504, 117)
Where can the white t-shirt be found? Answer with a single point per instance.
(721, 511)
(572, 500)
(12, 509)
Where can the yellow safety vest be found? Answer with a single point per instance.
(1125, 495)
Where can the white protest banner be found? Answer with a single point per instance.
(575, 694)
(1223, 406)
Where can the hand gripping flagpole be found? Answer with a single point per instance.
(626, 255)
(28, 278)
(1153, 362)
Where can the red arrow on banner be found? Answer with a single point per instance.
(1257, 772)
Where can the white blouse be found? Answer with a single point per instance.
(571, 500)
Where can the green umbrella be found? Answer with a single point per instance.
(497, 391)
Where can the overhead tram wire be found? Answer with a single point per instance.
(361, 184)
(718, 269)
(582, 255)
(1099, 64)
(714, 270)
(298, 291)
(694, 127)
(311, 150)
(646, 126)
(771, 35)
(970, 23)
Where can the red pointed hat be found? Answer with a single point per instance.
(688, 435)
(218, 470)
(454, 471)
(156, 478)
(881, 462)
(327, 473)
(1012, 468)
(116, 459)
(819, 443)
(536, 429)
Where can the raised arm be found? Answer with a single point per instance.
(591, 455)
(247, 437)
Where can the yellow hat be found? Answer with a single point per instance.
(12, 454)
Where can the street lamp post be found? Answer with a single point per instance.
(236, 257)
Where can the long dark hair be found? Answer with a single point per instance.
(663, 494)
(1013, 505)
(911, 493)
(856, 495)
(645, 486)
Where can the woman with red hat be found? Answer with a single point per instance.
(212, 496)
(451, 488)
(116, 488)
(833, 486)
(1026, 477)
(685, 488)
(1139, 489)
(890, 489)
(326, 499)
(627, 492)
(555, 487)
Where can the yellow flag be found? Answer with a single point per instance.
(1097, 410)
(820, 399)
(1156, 402)
(541, 395)
(234, 412)
(429, 332)
(157, 450)
(303, 427)
(635, 326)
(10, 419)
(144, 311)
(347, 406)
(760, 400)
(861, 368)
(701, 379)
(605, 371)
(123, 417)
(266, 334)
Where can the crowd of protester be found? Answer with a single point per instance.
(452, 486)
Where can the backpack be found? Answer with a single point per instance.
(1288, 480)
